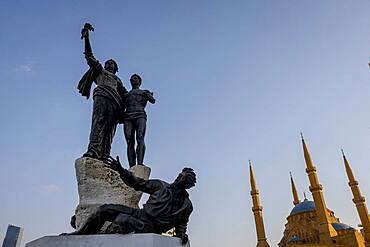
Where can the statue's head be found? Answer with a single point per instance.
(135, 80)
(111, 66)
(186, 178)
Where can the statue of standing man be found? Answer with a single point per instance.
(108, 99)
(135, 120)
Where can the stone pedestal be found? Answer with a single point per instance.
(108, 240)
(99, 185)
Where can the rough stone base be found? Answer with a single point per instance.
(130, 240)
(99, 185)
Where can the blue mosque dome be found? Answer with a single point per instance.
(309, 206)
(341, 226)
(305, 206)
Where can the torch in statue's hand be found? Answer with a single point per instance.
(114, 164)
(85, 30)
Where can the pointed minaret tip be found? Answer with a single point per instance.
(250, 169)
(346, 163)
(349, 171)
(302, 139)
(306, 153)
(251, 176)
(294, 191)
(303, 142)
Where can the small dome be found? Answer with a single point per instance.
(295, 239)
(341, 226)
(305, 206)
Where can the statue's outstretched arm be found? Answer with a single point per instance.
(139, 184)
(149, 96)
(90, 59)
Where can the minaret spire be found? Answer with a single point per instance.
(257, 211)
(294, 191)
(359, 201)
(252, 179)
(326, 230)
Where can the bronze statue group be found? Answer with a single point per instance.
(113, 104)
(168, 205)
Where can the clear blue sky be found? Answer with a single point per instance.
(234, 80)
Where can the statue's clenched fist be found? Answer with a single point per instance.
(85, 30)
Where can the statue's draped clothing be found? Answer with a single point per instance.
(108, 84)
(108, 106)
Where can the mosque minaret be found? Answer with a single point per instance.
(311, 223)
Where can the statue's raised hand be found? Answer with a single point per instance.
(113, 164)
(85, 30)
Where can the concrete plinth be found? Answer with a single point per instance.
(99, 185)
(108, 240)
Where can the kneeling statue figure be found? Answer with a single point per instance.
(168, 206)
